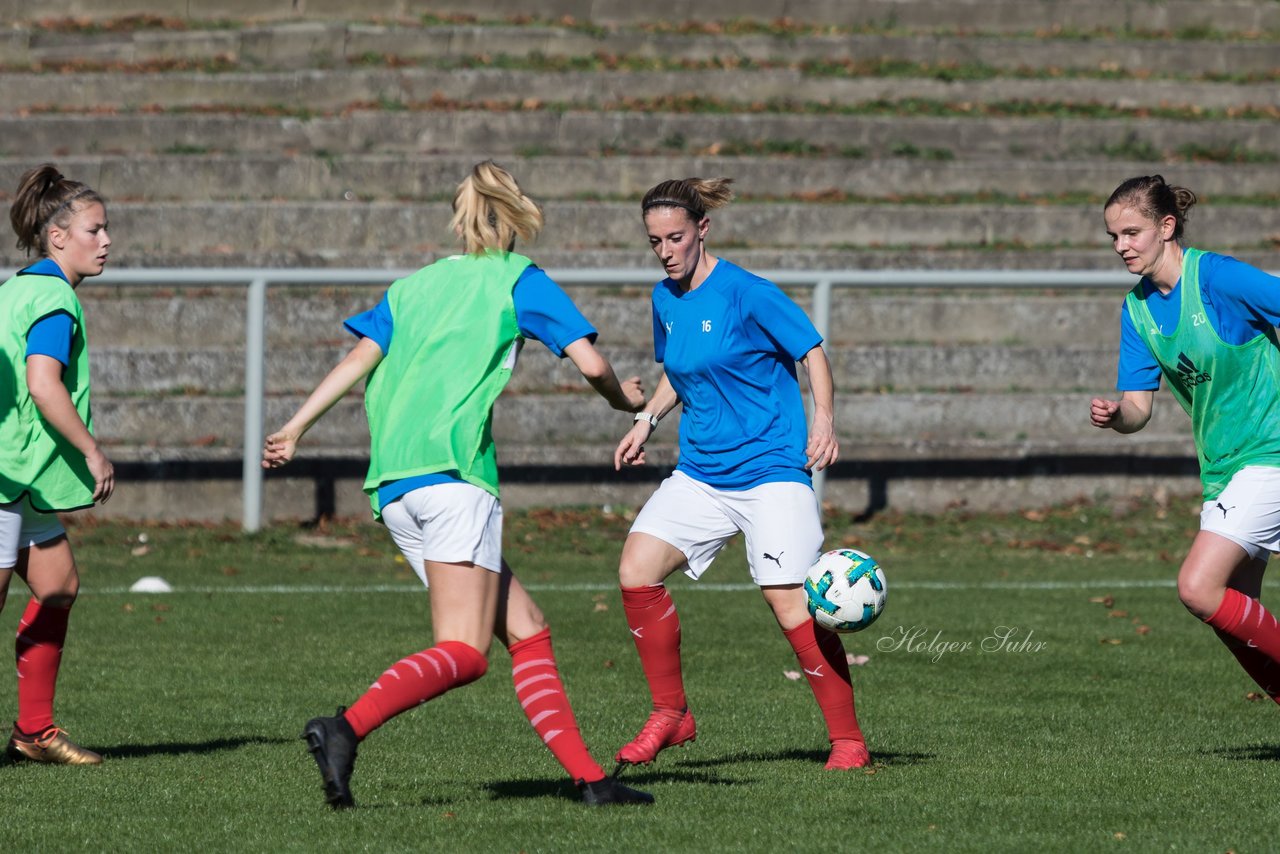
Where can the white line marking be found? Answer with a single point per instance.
(1094, 584)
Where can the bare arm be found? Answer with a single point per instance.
(630, 450)
(823, 449)
(1129, 414)
(355, 366)
(626, 396)
(44, 382)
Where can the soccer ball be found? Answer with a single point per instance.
(846, 590)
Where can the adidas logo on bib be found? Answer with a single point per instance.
(1189, 373)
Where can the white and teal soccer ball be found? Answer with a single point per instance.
(846, 590)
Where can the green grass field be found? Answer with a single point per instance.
(1107, 720)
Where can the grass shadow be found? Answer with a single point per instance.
(1249, 753)
(682, 770)
(521, 789)
(497, 790)
(879, 758)
(517, 789)
(183, 748)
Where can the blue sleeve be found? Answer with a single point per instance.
(375, 324)
(1241, 288)
(659, 335)
(778, 320)
(51, 336)
(1138, 370)
(545, 313)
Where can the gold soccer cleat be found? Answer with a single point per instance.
(50, 746)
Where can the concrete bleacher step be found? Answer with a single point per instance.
(306, 317)
(1038, 138)
(299, 318)
(888, 343)
(1094, 257)
(990, 368)
(324, 232)
(1238, 16)
(1002, 15)
(391, 177)
(319, 90)
(299, 44)
(983, 341)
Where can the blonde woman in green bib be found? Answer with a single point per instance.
(1206, 323)
(438, 351)
(49, 459)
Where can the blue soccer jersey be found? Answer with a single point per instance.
(729, 348)
(544, 312)
(1240, 302)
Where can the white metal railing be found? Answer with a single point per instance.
(822, 282)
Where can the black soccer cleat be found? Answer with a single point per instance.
(333, 742)
(611, 791)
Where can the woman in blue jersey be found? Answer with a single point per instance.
(728, 342)
(49, 459)
(1206, 323)
(438, 350)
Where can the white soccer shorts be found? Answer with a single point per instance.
(1247, 512)
(779, 521)
(447, 523)
(22, 527)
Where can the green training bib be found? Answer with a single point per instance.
(34, 458)
(1231, 391)
(453, 344)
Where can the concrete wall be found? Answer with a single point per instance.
(879, 134)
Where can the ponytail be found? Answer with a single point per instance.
(46, 197)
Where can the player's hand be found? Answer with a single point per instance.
(630, 450)
(104, 476)
(279, 449)
(633, 390)
(823, 448)
(1103, 412)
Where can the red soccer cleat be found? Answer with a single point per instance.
(848, 754)
(665, 728)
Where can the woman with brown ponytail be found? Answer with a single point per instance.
(1206, 323)
(728, 342)
(49, 459)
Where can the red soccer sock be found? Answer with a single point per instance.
(1253, 636)
(38, 650)
(822, 657)
(1257, 665)
(541, 695)
(413, 681)
(655, 628)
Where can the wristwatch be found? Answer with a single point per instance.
(649, 417)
